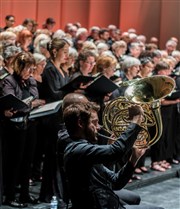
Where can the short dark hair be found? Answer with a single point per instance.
(72, 114)
(75, 112)
(145, 60)
(8, 17)
(161, 66)
(103, 30)
(50, 20)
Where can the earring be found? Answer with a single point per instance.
(55, 54)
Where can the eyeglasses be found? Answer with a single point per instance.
(11, 20)
(30, 69)
(90, 63)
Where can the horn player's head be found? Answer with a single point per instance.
(135, 113)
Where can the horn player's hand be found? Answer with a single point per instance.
(137, 153)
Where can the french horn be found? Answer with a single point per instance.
(146, 92)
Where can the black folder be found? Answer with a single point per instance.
(75, 83)
(101, 86)
(12, 102)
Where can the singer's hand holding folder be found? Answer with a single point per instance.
(10, 101)
(101, 85)
(76, 82)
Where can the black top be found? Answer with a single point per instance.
(90, 183)
(52, 81)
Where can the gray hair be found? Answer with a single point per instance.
(120, 44)
(41, 41)
(11, 51)
(39, 58)
(176, 53)
(59, 34)
(73, 52)
(129, 62)
(81, 31)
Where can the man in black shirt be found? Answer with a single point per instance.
(90, 183)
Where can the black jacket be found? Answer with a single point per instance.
(90, 183)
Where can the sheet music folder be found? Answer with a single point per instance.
(45, 110)
(75, 83)
(101, 86)
(10, 101)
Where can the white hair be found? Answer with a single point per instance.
(119, 44)
(176, 53)
(73, 52)
(39, 58)
(80, 31)
(93, 28)
(5, 35)
(59, 34)
(171, 43)
(107, 53)
(38, 41)
(129, 62)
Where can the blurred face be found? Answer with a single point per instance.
(62, 54)
(95, 34)
(109, 72)
(170, 48)
(156, 59)
(135, 51)
(40, 67)
(27, 72)
(50, 26)
(29, 26)
(92, 128)
(10, 22)
(134, 70)
(147, 69)
(11, 40)
(105, 36)
(164, 72)
(88, 65)
(73, 31)
(125, 37)
(120, 50)
(70, 61)
(83, 36)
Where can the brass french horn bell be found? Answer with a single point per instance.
(146, 92)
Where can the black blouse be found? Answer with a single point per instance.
(52, 81)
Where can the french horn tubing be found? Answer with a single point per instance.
(146, 92)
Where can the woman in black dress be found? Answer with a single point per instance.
(19, 132)
(53, 78)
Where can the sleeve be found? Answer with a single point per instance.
(52, 84)
(8, 87)
(121, 178)
(96, 154)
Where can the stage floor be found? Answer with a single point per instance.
(155, 188)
